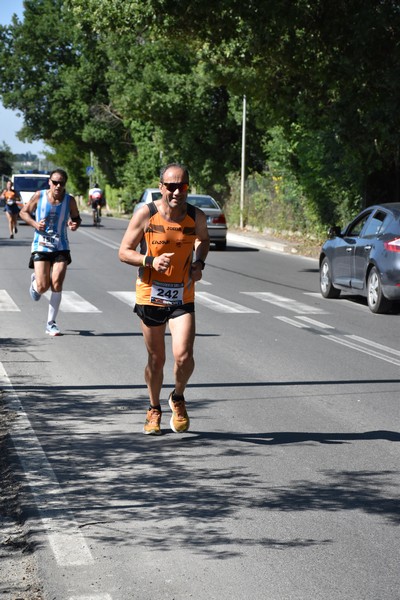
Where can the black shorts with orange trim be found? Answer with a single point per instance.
(154, 316)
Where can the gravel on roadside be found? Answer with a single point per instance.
(18, 579)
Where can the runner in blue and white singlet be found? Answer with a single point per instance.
(51, 213)
(54, 237)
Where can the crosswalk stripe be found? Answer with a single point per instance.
(293, 322)
(126, 297)
(7, 304)
(347, 342)
(287, 303)
(374, 344)
(221, 305)
(316, 323)
(204, 298)
(203, 282)
(72, 302)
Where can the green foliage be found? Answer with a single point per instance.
(62, 91)
(6, 160)
(144, 82)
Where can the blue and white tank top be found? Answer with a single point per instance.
(54, 237)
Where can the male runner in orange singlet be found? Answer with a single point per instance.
(174, 243)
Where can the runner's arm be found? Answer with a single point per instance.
(75, 219)
(29, 209)
(132, 238)
(201, 245)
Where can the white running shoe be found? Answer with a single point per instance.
(52, 329)
(34, 294)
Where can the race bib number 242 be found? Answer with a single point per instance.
(169, 294)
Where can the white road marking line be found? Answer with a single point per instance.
(72, 302)
(374, 344)
(316, 323)
(67, 542)
(126, 297)
(99, 238)
(292, 322)
(92, 597)
(344, 342)
(7, 304)
(221, 305)
(348, 301)
(287, 303)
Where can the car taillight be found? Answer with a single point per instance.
(219, 220)
(392, 245)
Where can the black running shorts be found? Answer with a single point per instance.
(153, 316)
(51, 257)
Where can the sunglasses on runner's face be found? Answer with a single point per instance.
(61, 183)
(171, 187)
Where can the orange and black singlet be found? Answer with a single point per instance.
(175, 286)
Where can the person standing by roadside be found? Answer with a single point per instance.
(174, 244)
(55, 212)
(11, 197)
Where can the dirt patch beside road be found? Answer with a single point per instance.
(18, 579)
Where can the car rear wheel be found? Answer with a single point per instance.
(377, 302)
(325, 281)
(220, 245)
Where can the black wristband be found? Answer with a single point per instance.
(201, 261)
(76, 219)
(148, 261)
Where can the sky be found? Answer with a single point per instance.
(10, 122)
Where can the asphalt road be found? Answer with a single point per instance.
(286, 487)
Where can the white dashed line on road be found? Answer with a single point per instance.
(66, 541)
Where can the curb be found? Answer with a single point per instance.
(259, 242)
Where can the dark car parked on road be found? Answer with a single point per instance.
(364, 258)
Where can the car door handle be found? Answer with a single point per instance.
(367, 248)
(349, 250)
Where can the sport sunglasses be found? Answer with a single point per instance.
(171, 187)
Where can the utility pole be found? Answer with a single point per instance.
(91, 170)
(243, 162)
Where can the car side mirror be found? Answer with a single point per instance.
(334, 231)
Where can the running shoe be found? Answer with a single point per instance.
(52, 329)
(152, 424)
(34, 294)
(11, 236)
(179, 422)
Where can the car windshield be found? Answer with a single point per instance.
(30, 184)
(202, 201)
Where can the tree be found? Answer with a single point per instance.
(6, 160)
(143, 81)
(330, 71)
(62, 92)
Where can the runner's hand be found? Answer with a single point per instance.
(162, 263)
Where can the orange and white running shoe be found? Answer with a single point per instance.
(180, 421)
(153, 422)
